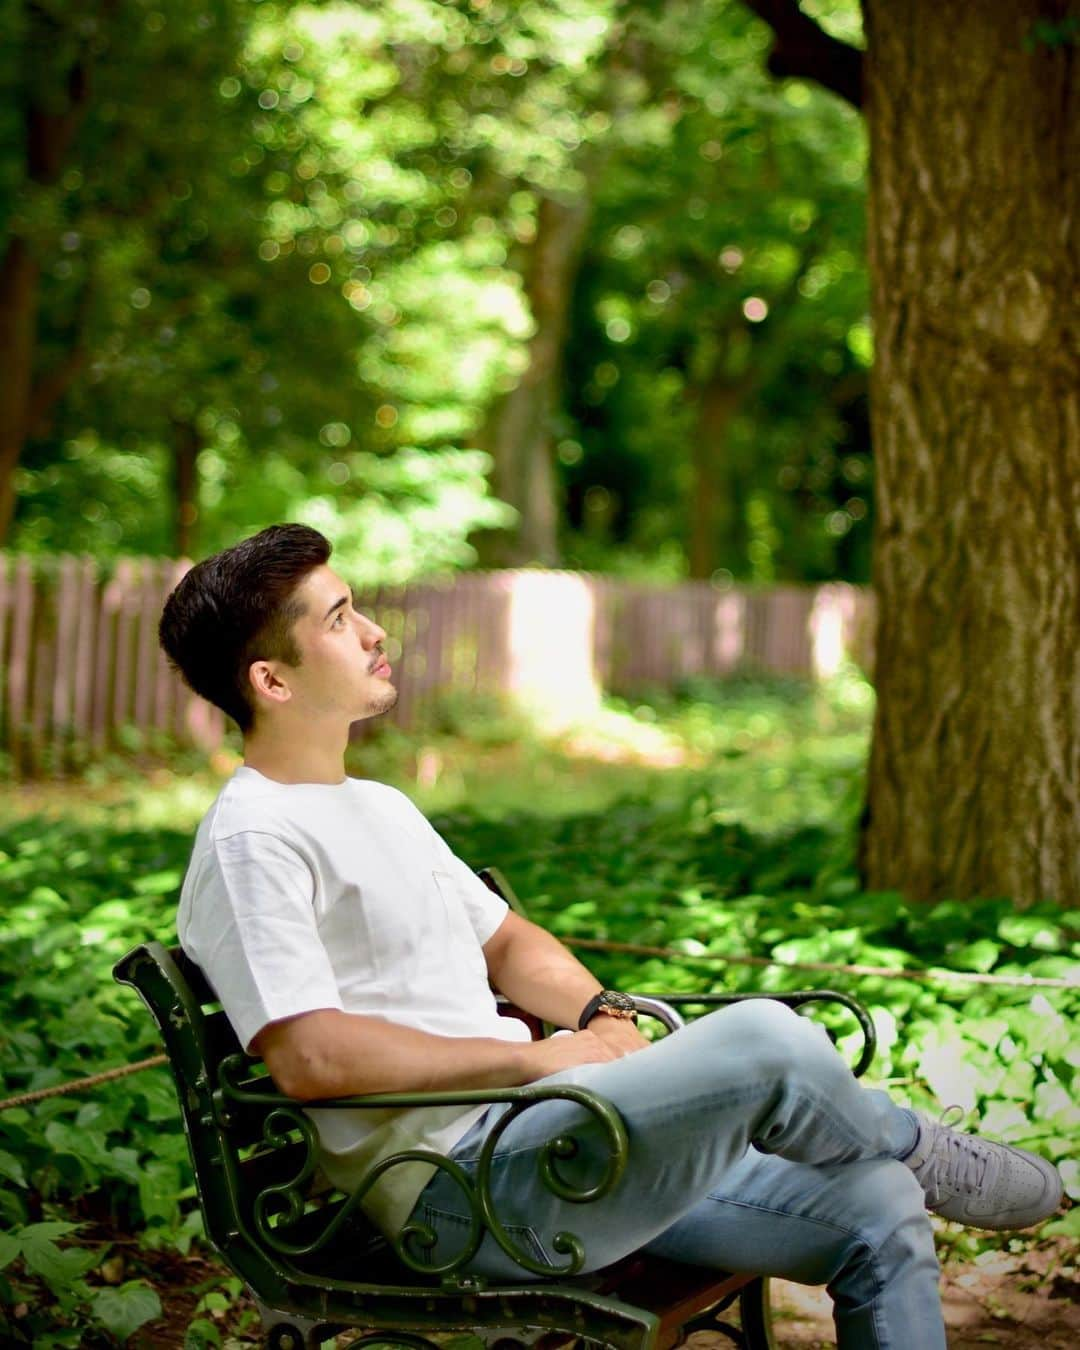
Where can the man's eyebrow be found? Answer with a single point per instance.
(344, 600)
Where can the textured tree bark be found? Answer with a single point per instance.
(49, 127)
(716, 525)
(19, 273)
(974, 785)
(520, 435)
(185, 467)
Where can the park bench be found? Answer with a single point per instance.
(315, 1265)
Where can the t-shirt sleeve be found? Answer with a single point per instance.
(485, 909)
(252, 931)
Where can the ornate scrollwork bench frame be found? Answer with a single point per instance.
(314, 1263)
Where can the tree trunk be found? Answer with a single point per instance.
(974, 784)
(521, 433)
(185, 487)
(50, 127)
(714, 510)
(19, 274)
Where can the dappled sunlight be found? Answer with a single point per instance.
(769, 755)
(555, 681)
(617, 736)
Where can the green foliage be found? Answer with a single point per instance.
(720, 341)
(414, 517)
(1051, 34)
(288, 246)
(45, 1300)
(250, 284)
(741, 847)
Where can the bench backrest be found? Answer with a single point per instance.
(238, 1149)
(241, 1149)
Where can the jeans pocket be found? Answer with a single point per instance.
(453, 1231)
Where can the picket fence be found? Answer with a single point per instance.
(81, 673)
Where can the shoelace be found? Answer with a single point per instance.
(956, 1163)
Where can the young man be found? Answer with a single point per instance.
(353, 951)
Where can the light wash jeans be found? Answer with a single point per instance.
(819, 1199)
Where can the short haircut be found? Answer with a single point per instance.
(238, 607)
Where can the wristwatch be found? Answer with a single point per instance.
(608, 1001)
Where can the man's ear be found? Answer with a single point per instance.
(266, 682)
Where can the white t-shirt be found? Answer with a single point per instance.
(306, 896)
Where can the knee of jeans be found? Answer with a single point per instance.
(761, 1016)
(779, 1036)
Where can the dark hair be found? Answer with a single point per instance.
(238, 607)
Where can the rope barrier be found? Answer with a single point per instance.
(829, 967)
(81, 1084)
(632, 949)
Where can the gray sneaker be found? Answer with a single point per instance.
(979, 1183)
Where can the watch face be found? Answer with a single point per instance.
(622, 1005)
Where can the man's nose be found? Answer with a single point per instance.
(370, 632)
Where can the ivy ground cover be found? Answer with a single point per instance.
(735, 838)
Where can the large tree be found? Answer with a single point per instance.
(974, 122)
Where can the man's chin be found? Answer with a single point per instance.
(380, 702)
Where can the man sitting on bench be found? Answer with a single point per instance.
(355, 953)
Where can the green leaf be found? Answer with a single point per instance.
(1070, 1175)
(122, 1311)
(201, 1335)
(11, 1168)
(9, 1249)
(979, 956)
(59, 1267)
(158, 883)
(159, 1188)
(1067, 1226)
(48, 1228)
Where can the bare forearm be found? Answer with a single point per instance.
(337, 1054)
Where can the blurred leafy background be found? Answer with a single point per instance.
(288, 262)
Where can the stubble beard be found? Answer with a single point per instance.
(383, 701)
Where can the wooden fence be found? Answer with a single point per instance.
(81, 672)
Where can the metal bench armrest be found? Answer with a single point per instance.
(279, 1206)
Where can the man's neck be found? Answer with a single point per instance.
(285, 757)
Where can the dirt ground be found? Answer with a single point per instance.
(1030, 1301)
(1025, 1302)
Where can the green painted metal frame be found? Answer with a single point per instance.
(248, 1229)
(257, 1209)
(288, 1198)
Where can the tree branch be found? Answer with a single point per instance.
(803, 49)
(52, 384)
(49, 388)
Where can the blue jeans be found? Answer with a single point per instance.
(820, 1198)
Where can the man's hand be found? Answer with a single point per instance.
(565, 1051)
(619, 1033)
